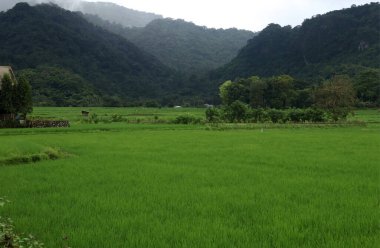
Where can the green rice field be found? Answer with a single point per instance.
(137, 184)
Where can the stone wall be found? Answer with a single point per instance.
(46, 123)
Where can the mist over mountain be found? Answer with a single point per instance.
(107, 11)
(183, 45)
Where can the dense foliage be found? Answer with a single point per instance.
(239, 112)
(46, 34)
(15, 97)
(243, 97)
(71, 62)
(55, 86)
(339, 42)
(183, 45)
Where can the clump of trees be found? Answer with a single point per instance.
(278, 100)
(15, 97)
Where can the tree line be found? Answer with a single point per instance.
(278, 99)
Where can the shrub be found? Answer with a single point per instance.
(213, 115)
(277, 116)
(315, 115)
(117, 118)
(236, 112)
(296, 115)
(8, 236)
(187, 119)
(259, 115)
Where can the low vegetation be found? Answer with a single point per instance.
(48, 153)
(8, 236)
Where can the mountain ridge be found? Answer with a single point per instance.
(182, 45)
(109, 11)
(47, 35)
(315, 50)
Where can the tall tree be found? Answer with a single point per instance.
(367, 85)
(280, 92)
(257, 87)
(230, 92)
(337, 96)
(7, 95)
(23, 97)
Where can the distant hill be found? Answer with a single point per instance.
(344, 41)
(118, 14)
(107, 11)
(105, 64)
(182, 45)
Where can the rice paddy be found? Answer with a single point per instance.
(163, 185)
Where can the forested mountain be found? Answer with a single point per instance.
(339, 42)
(107, 11)
(105, 64)
(182, 45)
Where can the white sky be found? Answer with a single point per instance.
(243, 14)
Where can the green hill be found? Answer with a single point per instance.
(345, 41)
(104, 63)
(182, 45)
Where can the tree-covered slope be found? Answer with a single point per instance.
(183, 45)
(344, 41)
(48, 35)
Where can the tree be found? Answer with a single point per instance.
(280, 92)
(23, 97)
(367, 85)
(7, 95)
(236, 112)
(257, 89)
(337, 96)
(230, 92)
(15, 97)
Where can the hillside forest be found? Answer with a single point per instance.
(86, 59)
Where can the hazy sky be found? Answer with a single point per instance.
(244, 14)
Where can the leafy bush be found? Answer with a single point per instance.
(315, 115)
(296, 115)
(277, 116)
(259, 115)
(117, 118)
(239, 112)
(213, 115)
(236, 112)
(187, 119)
(8, 236)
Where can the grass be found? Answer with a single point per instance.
(132, 185)
(132, 114)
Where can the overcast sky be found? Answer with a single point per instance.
(244, 14)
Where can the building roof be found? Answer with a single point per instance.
(4, 70)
